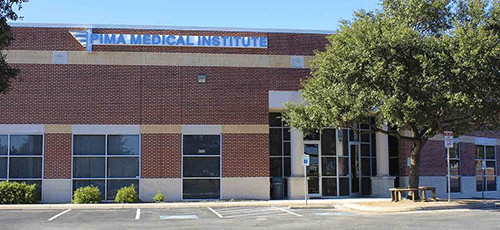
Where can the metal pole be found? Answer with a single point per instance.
(305, 183)
(449, 179)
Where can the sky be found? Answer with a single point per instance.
(311, 15)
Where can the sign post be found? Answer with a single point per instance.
(448, 143)
(305, 162)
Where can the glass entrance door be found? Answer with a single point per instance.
(312, 148)
(354, 155)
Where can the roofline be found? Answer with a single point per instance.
(149, 27)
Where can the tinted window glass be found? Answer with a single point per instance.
(123, 145)
(286, 134)
(344, 186)
(454, 167)
(328, 142)
(25, 167)
(365, 150)
(365, 167)
(89, 145)
(201, 189)
(3, 144)
(329, 186)
(286, 148)
(26, 144)
(3, 167)
(490, 168)
(115, 185)
(83, 183)
(491, 183)
(201, 145)
(276, 167)
(274, 120)
(366, 186)
(123, 167)
(275, 142)
(490, 152)
(88, 167)
(365, 137)
(286, 166)
(201, 167)
(454, 152)
(455, 184)
(328, 166)
(479, 151)
(343, 166)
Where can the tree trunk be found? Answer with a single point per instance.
(413, 177)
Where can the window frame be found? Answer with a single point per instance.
(457, 147)
(282, 156)
(486, 176)
(201, 156)
(106, 156)
(9, 156)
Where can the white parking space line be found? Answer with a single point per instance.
(138, 214)
(260, 214)
(216, 213)
(284, 210)
(58, 215)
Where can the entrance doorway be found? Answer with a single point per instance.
(312, 148)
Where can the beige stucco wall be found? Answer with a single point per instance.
(56, 191)
(245, 188)
(170, 187)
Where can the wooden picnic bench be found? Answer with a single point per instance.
(396, 193)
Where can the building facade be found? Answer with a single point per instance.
(195, 113)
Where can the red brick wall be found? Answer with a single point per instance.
(61, 39)
(432, 158)
(161, 156)
(467, 159)
(57, 155)
(245, 155)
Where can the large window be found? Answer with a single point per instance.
(485, 179)
(21, 159)
(454, 169)
(109, 162)
(279, 149)
(201, 169)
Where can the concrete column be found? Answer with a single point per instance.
(382, 182)
(296, 187)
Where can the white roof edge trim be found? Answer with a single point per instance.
(193, 28)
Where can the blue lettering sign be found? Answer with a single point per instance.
(146, 39)
(156, 39)
(135, 40)
(171, 40)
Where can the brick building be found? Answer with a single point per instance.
(193, 112)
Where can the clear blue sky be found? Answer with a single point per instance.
(315, 15)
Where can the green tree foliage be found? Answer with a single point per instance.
(7, 12)
(421, 65)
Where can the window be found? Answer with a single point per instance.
(454, 169)
(279, 149)
(21, 159)
(201, 166)
(485, 179)
(109, 162)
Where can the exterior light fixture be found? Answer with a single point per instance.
(202, 79)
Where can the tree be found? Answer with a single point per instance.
(7, 12)
(425, 66)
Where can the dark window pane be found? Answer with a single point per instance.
(115, 185)
(366, 167)
(364, 126)
(275, 142)
(479, 169)
(26, 144)
(201, 167)
(374, 145)
(366, 186)
(394, 166)
(286, 134)
(275, 167)
(201, 145)
(328, 167)
(313, 168)
(454, 152)
(491, 183)
(490, 168)
(329, 186)
(344, 187)
(3, 167)
(123, 167)
(393, 146)
(25, 167)
(313, 185)
(286, 166)
(343, 166)
(479, 152)
(374, 166)
(286, 148)
(201, 189)
(89, 145)
(365, 137)
(454, 167)
(123, 145)
(312, 136)
(3, 145)
(38, 188)
(274, 119)
(490, 152)
(88, 167)
(455, 184)
(328, 142)
(479, 184)
(83, 183)
(311, 149)
(345, 143)
(365, 150)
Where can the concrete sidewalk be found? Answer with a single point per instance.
(357, 204)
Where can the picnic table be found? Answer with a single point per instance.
(396, 193)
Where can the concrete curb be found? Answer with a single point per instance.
(417, 208)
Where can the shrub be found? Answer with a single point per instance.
(87, 195)
(127, 195)
(159, 197)
(17, 193)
